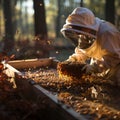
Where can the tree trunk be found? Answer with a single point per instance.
(110, 11)
(58, 19)
(81, 3)
(9, 35)
(39, 17)
(41, 44)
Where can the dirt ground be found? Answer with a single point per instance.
(94, 98)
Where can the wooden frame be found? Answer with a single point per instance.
(32, 91)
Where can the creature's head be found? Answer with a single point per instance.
(81, 25)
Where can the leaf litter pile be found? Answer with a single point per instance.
(92, 96)
(14, 107)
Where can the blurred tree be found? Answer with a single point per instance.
(0, 17)
(40, 19)
(14, 16)
(58, 26)
(81, 3)
(117, 20)
(110, 11)
(41, 44)
(51, 5)
(9, 34)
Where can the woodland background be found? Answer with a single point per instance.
(31, 28)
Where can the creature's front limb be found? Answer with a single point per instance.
(78, 56)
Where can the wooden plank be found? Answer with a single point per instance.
(32, 91)
(31, 63)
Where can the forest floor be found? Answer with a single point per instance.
(96, 99)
